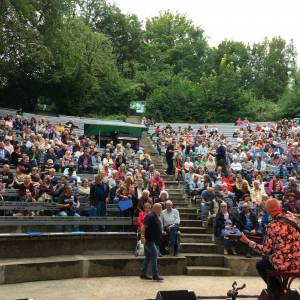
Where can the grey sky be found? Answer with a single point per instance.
(241, 20)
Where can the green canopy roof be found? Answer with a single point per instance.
(107, 128)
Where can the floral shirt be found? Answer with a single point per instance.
(282, 244)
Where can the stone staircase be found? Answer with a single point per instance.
(204, 256)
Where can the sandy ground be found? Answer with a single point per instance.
(114, 288)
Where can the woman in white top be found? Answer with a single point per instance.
(210, 164)
(235, 165)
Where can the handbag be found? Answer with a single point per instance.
(139, 251)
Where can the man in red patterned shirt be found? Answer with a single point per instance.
(281, 246)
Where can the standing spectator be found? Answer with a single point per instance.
(99, 192)
(221, 157)
(169, 158)
(151, 233)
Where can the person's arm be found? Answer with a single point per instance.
(143, 230)
(177, 217)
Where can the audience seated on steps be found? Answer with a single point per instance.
(261, 160)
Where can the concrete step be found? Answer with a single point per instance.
(191, 223)
(199, 248)
(177, 197)
(82, 266)
(208, 271)
(168, 177)
(189, 229)
(190, 210)
(174, 185)
(195, 238)
(188, 216)
(180, 204)
(205, 259)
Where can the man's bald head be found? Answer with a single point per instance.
(273, 207)
(157, 208)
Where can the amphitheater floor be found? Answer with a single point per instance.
(114, 288)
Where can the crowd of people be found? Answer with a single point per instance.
(231, 183)
(52, 163)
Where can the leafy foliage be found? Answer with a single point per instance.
(88, 57)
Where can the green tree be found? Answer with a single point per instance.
(84, 76)
(173, 40)
(273, 64)
(125, 31)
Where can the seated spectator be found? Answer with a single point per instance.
(235, 165)
(122, 171)
(188, 164)
(52, 175)
(163, 198)
(292, 204)
(113, 183)
(225, 226)
(247, 199)
(158, 181)
(143, 214)
(68, 203)
(150, 173)
(7, 176)
(119, 160)
(278, 193)
(35, 177)
(257, 194)
(107, 160)
(248, 224)
(230, 182)
(189, 176)
(273, 183)
(210, 164)
(27, 190)
(146, 161)
(144, 199)
(85, 162)
(242, 188)
(45, 193)
(66, 160)
(96, 162)
(259, 165)
(207, 196)
(4, 154)
(195, 186)
(2, 191)
(19, 177)
(61, 186)
(170, 220)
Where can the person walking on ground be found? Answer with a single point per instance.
(151, 233)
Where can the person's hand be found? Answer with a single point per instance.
(244, 239)
(227, 227)
(143, 240)
(253, 231)
(164, 233)
(106, 201)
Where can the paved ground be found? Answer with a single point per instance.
(132, 288)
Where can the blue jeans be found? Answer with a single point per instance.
(65, 214)
(101, 212)
(151, 253)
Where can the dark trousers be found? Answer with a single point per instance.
(170, 166)
(100, 212)
(272, 282)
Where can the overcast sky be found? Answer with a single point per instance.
(240, 20)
